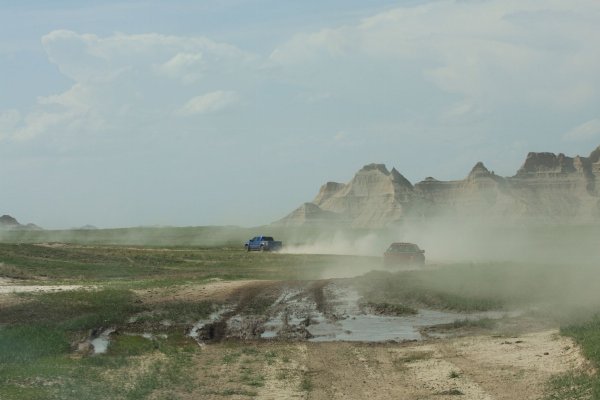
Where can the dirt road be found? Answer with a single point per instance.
(472, 368)
(494, 366)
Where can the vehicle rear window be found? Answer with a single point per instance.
(403, 248)
(267, 238)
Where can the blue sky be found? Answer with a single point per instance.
(235, 111)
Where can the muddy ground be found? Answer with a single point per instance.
(314, 340)
(271, 339)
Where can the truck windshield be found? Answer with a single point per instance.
(403, 248)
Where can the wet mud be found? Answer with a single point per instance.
(319, 311)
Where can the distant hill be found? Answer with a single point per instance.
(6, 221)
(87, 228)
(547, 187)
(9, 223)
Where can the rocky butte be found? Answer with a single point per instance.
(547, 188)
(9, 223)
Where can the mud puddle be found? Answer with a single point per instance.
(101, 342)
(204, 328)
(325, 311)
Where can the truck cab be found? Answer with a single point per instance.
(263, 243)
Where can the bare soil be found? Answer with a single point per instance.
(472, 368)
(514, 360)
(10, 288)
(493, 365)
(215, 290)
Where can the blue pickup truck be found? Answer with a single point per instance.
(263, 243)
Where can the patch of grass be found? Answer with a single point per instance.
(234, 392)
(384, 308)
(572, 386)
(73, 310)
(569, 386)
(35, 360)
(453, 375)
(270, 356)
(28, 343)
(17, 392)
(161, 266)
(250, 351)
(306, 384)
(184, 311)
(10, 271)
(284, 374)
(414, 356)
(249, 378)
(485, 323)
(428, 289)
(129, 345)
(231, 357)
(452, 392)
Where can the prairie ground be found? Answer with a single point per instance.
(134, 322)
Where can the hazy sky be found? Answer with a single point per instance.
(236, 111)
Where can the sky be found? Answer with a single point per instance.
(234, 112)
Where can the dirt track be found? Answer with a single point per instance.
(471, 368)
(494, 366)
(480, 367)
(488, 367)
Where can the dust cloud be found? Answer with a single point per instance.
(551, 267)
(459, 241)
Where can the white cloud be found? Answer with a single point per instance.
(339, 136)
(430, 65)
(8, 122)
(586, 131)
(492, 53)
(126, 83)
(184, 66)
(37, 123)
(85, 56)
(209, 103)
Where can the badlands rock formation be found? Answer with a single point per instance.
(9, 223)
(548, 187)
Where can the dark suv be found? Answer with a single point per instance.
(404, 254)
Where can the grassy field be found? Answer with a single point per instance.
(39, 331)
(138, 266)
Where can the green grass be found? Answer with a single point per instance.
(306, 384)
(561, 290)
(58, 376)
(430, 289)
(184, 311)
(385, 308)
(36, 353)
(146, 267)
(572, 386)
(129, 345)
(413, 356)
(231, 357)
(485, 323)
(73, 310)
(452, 392)
(21, 344)
(580, 386)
